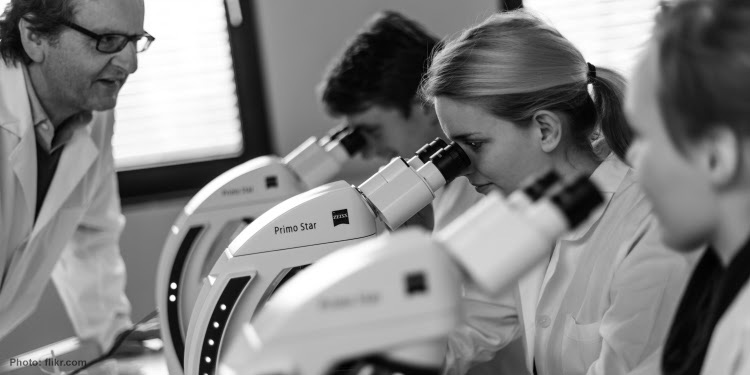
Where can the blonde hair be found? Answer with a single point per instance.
(514, 64)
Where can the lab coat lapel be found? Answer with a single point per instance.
(15, 118)
(529, 287)
(77, 156)
(23, 160)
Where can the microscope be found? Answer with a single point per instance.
(214, 216)
(298, 232)
(388, 304)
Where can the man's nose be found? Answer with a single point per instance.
(127, 59)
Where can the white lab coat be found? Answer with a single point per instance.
(729, 350)
(613, 308)
(75, 238)
(449, 203)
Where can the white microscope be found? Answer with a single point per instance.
(221, 209)
(389, 303)
(298, 232)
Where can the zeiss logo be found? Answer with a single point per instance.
(272, 182)
(340, 217)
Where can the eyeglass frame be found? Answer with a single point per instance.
(98, 37)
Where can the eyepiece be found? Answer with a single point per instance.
(353, 141)
(337, 131)
(430, 149)
(333, 133)
(451, 161)
(577, 200)
(536, 186)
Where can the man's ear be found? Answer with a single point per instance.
(32, 42)
(549, 127)
(720, 153)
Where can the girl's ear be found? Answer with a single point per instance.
(549, 125)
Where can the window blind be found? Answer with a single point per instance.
(609, 33)
(181, 104)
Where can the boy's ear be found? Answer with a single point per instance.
(549, 126)
(32, 42)
(721, 154)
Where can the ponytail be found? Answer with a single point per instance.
(609, 88)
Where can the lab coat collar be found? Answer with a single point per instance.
(609, 174)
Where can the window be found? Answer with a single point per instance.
(181, 105)
(196, 105)
(609, 33)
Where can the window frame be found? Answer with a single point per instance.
(155, 183)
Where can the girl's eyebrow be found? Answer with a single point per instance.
(463, 136)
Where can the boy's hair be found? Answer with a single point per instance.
(704, 67)
(382, 65)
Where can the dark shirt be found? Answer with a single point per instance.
(49, 142)
(46, 165)
(708, 295)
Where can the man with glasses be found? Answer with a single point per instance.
(63, 64)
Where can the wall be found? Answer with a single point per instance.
(298, 39)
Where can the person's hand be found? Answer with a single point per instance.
(132, 343)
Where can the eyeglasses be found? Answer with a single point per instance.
(113, 43)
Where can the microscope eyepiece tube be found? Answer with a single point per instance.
(533, 188)
(537, 186)
(451, 160)
(496, 244)
(334, 133)
(430, 149)
(577, 200)
(315, 162)
(422, 155)
(353, 141)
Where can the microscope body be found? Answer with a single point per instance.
(285, 239)
(298, 232)
(396, 298)
(216, 214)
